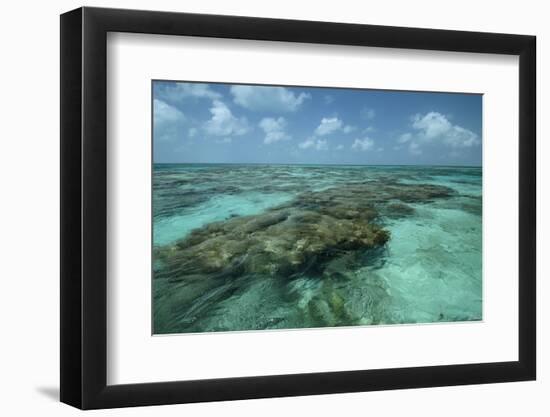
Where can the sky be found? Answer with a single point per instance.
(238, 123)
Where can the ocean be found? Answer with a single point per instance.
(258, 247)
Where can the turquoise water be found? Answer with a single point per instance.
(250, 247)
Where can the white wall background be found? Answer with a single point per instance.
(29, 176)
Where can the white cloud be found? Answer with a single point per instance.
(435, 126)
(328, 99)
(165, 113)
(308, 143)
(274, 129)
(362, 144)
(459, 137)
(313, 143)
(339, 147)
(192, 132)
(330, 125)
(367, 113)
(260, 98)
(223, 123)
(432, 124)
(180, 91)
(168, 121)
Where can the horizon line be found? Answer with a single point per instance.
(310, 164)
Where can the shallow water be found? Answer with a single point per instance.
(249, 247)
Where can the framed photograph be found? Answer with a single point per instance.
(257, 207)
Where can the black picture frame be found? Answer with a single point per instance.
(84, 207)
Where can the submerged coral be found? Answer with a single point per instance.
(319, 233)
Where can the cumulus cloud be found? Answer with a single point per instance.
(432, 124)
(224, 123)
(314, 143)
(274, 129)
(436, 128)
(261, 98)
(165, 113)
(340, 147)
(459, 137)
(167, 120)
(362, 144)
(330, 125)
(308, 143)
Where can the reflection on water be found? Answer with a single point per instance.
(250, 247)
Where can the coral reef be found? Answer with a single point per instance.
(319, 233)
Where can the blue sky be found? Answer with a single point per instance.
(230, 123)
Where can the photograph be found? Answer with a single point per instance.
(298, 207)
